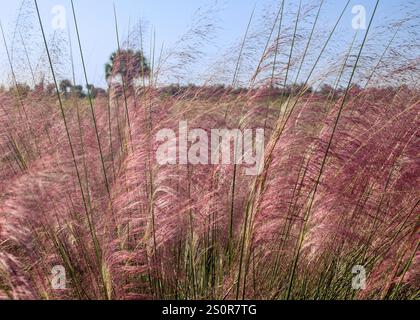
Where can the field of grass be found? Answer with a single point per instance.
(333, 214)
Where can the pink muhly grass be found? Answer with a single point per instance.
(81, 186)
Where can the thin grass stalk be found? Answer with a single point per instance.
(247, 257)
(98, 250)
(260, 181)
(234, 80)
(259, 185)
(28, 60)
(382, 57)
(238, 61)
(123, 81)
(91, 105)
(307, 215)
(258, 69)
(79, 123)
(28, 122)
(309, 41)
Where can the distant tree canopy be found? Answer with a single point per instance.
(67, 89)
(95, 92)
(127, 64)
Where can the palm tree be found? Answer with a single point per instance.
(127, 64)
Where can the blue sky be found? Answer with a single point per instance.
(170, 19)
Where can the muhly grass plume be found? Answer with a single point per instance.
(81, 187)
